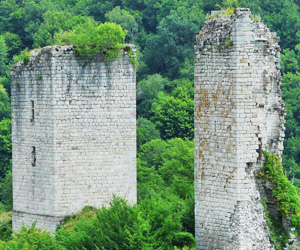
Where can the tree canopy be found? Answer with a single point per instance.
(163, 31)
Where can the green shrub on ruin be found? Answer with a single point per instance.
(24, 56)
(286, 194)
(228, 43)
(256, 18)
(228, 7)
(89, 39)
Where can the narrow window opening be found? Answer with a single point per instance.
(32, 112)
(215, 126)
(260, 154)
(33, 155)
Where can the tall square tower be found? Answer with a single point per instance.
(73, 134)
(238, 113)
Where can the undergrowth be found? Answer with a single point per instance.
(30, 238)
(121, 226)
(5, 225)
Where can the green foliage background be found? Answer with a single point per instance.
(163, 31)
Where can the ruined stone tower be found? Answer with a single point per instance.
(238, 113)
(73, 133)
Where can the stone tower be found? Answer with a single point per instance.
(73, 133)
(238, 113)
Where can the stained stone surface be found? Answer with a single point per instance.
(73, 133)
(238, 113)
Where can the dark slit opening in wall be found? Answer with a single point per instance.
(259, 149)
(215, 126)
(32, 112)
(33, 155)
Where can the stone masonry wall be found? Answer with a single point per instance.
(74, 134)
(238, 113)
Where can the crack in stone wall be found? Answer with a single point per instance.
(238, 113)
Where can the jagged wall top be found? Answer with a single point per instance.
(59, 50)
(218, 28)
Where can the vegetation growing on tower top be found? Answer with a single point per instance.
(89, 39)
(228, 6)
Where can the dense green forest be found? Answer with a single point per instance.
(163, 31)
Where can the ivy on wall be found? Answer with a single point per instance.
(286, 194)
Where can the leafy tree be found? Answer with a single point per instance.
(292, 169)
(187, 70)
(151, 153)
(165, 175)
(173, 114)
(209, 5)
(13, 43)
(5, 82)
(291, 94)
(293, 148)
(164, 7)
(3, 56)
(166, 51)
(5, 147)
(6, 192)
(173, 161)
(93, 8)
(149, 15)
(146, 131)
(289, 60)
(134, 4)
(147, 90)
(125, 19)
(6, 8)
(26, 20)
(4, 103)
(177, 169)
(56, 22)
(143, 69)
